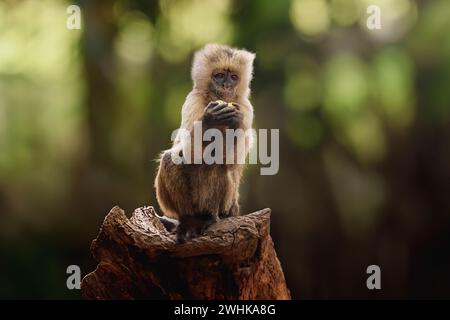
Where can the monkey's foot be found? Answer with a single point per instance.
(193, 226)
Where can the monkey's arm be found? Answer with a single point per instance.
(246, 122)
(216, 114)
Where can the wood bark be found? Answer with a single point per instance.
(139, 259)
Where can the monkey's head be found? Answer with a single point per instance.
(225, 71)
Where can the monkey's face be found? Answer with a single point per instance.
(224, 82)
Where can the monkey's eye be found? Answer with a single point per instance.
(219, 75)
(234, 77)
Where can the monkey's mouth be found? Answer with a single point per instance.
(224, 92)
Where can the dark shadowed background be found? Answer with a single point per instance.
(364, 119)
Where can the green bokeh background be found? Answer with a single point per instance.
(364, 119)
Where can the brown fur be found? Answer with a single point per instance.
(193, 189)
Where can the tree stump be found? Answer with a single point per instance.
(139, 259)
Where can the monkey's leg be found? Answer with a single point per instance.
(178, 188)
(231, 207)
(172, 188)
(233, 211)
(206, 191)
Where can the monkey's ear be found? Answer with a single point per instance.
(250, 56)
(200, 67)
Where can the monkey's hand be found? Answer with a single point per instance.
(220, 113)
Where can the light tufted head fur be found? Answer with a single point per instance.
(215, 56)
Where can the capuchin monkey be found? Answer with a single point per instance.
(194, 196)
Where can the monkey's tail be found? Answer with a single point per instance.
(169, 223)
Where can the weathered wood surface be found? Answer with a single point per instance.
(139, 259)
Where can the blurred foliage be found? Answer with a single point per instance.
(364, 117)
